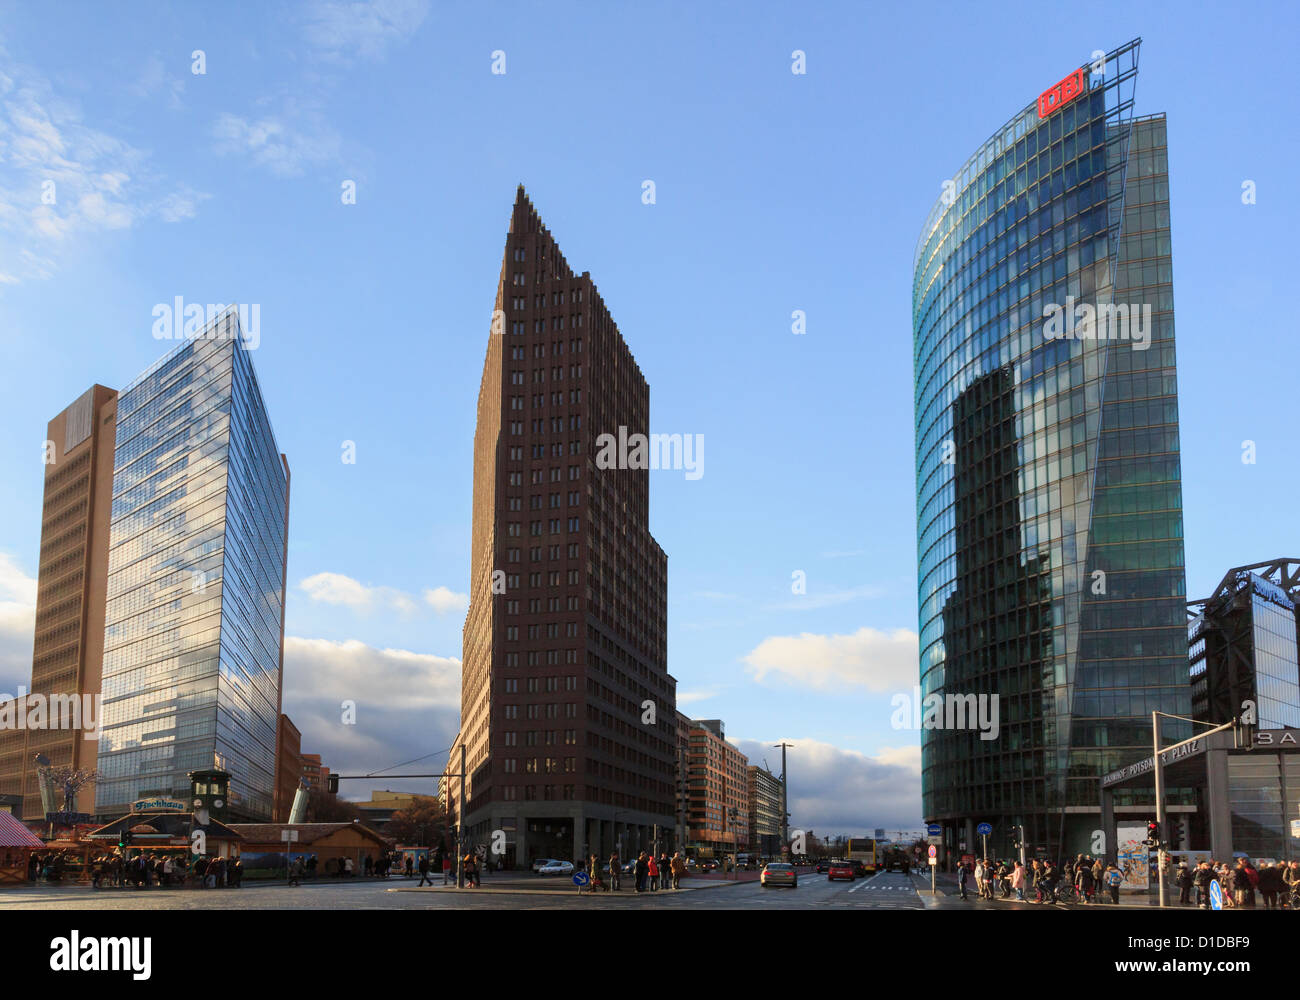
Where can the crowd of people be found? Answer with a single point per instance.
(146, 870)
(1242, 883)
(1085, 879)
(649, 873)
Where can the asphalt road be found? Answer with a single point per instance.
(891, 891)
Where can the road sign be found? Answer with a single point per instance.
(1295, 828)
(934, 851)
(934, 860)
(1216, 895)
(984, 829)
(934, 830)
(581, 878)
(289, 836)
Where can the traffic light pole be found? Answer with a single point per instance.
(1160, 805)
(1159, 770)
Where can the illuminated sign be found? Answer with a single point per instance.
(1060, 94)
(157, 805)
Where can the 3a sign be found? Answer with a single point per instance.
(1060, 94)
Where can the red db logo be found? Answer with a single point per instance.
(1062, 93)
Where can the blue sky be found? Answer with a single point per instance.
(774, 192)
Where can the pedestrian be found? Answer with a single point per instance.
(1270, 884)
(296, 870)
(665, 870)
(446, 869)
(963, 875)
(1018, 881)
(1183, 879)
(1084, 883)
(615, 873)
(653, 867)
(1202, 878)
(424, 871)
(641, 872)
(410, 866)
(979, 877)
(1113, 880)
(678, 867)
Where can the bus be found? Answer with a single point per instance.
(865, 852)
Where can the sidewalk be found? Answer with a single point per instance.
(950, 897)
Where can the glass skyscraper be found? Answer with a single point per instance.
(1049, 498)
(1242, 647)
(196, 581)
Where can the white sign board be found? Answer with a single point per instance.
(289, 836)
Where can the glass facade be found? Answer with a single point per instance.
(194, 627)
(1049, 498)
(1242, 646)
(1263, 793)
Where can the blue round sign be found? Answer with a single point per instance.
(1216, 895)
(934, 830)
(984, 829)
(581, 878)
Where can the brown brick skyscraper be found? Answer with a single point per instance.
(564, 644)
(70, 598)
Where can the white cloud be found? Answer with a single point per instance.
(443, 600)
(268, 142)
(17, 625)
(690, 697)
(407, 706)
(867, 658)
(61, 179)
(835, 791)
(335, 588)
(343, 29)
(827, 598)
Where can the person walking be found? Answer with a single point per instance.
(1114, 878)
(296, 871)
(1270, 884)
(1202, 878)
(1183, 879)
(446, 869)
(1018, 881)
(1083, 882)
(615, 873)
(979, 877)
(424, 871)
(963, 876)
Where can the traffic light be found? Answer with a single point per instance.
(332, 784)
(1153, 834)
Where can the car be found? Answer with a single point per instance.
(823, 866)
(708, 866)
(859, 869)
(840, 869)
(692, 864)
(556, 868)
(779, 873)
(540, 863)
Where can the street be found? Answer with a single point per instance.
(890, 891)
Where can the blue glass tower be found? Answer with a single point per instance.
(194, 630)
(1049, 498)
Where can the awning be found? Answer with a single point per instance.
(14, 834)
